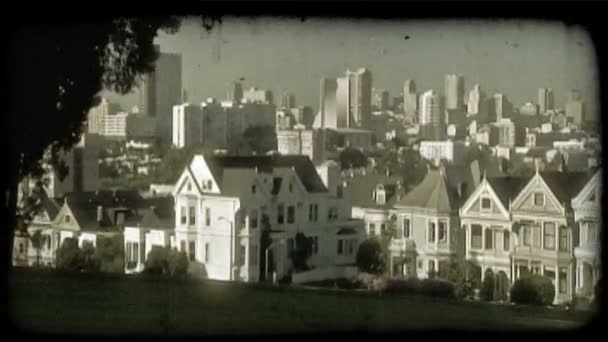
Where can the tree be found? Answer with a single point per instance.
(89, 263)
(461, 273)
(37, 244)
(178, 263)
(352, 158)
(386, 237)
(69, 256)
(369, 257)
(301, 253)
(413, 167)
(109, 254)
(254, 140)
(172, 165)
(533, 289)
(487, 292)
(157, 261)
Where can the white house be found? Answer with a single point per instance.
(238, 216)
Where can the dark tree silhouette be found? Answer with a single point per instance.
(55, 73)
(351, 157)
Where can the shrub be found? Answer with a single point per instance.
(487, 287)
(369, 257)
(178, 263)
(109, 253)
(403, 286)
(438, 288)
(69, 256)
(366, 280)
(533, 289)
(157, 261)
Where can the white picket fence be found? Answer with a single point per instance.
(325, 273)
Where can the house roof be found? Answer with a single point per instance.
(302, 165)
(359, 190)
(49, 205)
(432, 193)
(159, 214)
(566, 185)
(237, 182)
(507, 188)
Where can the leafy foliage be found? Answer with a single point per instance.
(157, 261)
(69, 256)
(370, 258)
(352, 158)
(178, 263)
(488, 286)
(110, 254)
(462, 274)
(533, 289)
(37, 244)
(301, 253)
(255, 140)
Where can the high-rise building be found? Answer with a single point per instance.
(545, 100)
(506, 133)
(343, 118)
(575, 107)
(97, 115)
(288, 100)
(410, 98)
(187, 125)
(161, 90)
(359, 97)
(255, 95)
(328, 116)
(454, 91)
(529, 108)
(475, 104)
(499, 107)
(432, 108)
(235, 92)
(380, 99)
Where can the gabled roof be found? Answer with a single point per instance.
(359, 190)
(432, 193)
(302, 165)
(507, 188)
(49, 205)
(566, 185)
(237, 182)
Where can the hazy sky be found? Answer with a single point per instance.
(512, 57)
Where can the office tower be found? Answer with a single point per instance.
(255, 95)
(499, 107)
(476, 100)
(343, 118)
(235, 92)
(431, 108)
(545, 100)
(359, 97)
(410, 98)
(327, 117)
(454, 91)
(506, 133)
(529, 108)
(161, 90)
(288, 100)
(380, 99)
(575, 107)
(97, 115)
(187, 125)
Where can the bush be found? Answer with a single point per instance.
(533, 289)
(487, 287)
(369, 257)
(109, 253)
(438, 288)
(404, 286)
(69, 256)
(178, 263)
(157, 261)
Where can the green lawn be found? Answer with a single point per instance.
(43, 302)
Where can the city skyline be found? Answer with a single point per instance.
(524, 48)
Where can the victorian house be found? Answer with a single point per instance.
(587, 212)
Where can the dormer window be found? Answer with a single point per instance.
(66, 218)
(209, 184)
(380, 195)
(486, 203)
(539, 199)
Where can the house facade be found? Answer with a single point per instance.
(238, 217)
(587, 215)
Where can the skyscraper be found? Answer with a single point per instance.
(454, 91)
(288, 100)
(545, 100)
(476, 100)
(410, 98)
(255, 95)
(380, 99)
(499, 107)
(359, 97)
(431, 108)
(235, 92)
(327, 117)
(161, 90)
(575, 107)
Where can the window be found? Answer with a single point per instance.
(563, 239)
(563, 280)
(192, 250)
(431, 266)
(406, 228)
(207, 252)
(191, 216)
(489, 238)
(290, 245)
(290, 187)
(253, 189)
(431, 233)
(591, 232)
(372, 229)
(399, 233)
(183, 215)
(549, 236)
(209, 184)
(340, 246)
(382, 229)
(539, 199)
(280, 214)
(135, 256)
(67, 218)
(189, 186)
(22, 248)
(527, 235)
(182, 246)
(316, 216)
(443, 234)
(310, 212)
(253, 219)
(380, 197)
(476, 236)
(242, 215)
(550, 273)
(536, 236)
(242, 255)
(207, 217)
(486, 203)
(506, 240)
(253, 255)
(291, 214)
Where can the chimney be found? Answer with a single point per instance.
(99, 213)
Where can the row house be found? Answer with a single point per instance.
(238, 217)
(521, 225)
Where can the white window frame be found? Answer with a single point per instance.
(481, 199)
